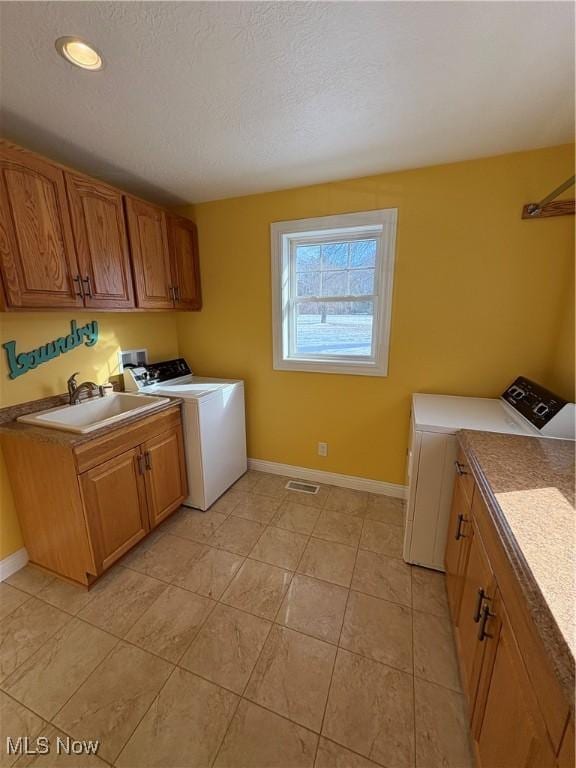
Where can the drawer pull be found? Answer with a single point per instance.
(459, 535)
(479, 601)
(486, 614)
(80, 292)
(88, 289)
(460, 468)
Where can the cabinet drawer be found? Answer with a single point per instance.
(464, 476)
(94, 452)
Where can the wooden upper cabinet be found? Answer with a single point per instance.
(68, 241)
(150, 256)
(101, 243)
(507, 723)
(37, 254)
(183, 244)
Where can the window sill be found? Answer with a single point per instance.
(315, 366)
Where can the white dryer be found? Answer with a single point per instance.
(213, 423)
(523, 409)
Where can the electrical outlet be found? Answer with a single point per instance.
(322, 449)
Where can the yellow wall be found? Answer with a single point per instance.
(156, 332)
(478, 299)
(561, 376)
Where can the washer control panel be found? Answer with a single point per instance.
(144, 376)
(534, 402)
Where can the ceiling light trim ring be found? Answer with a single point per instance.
(80, 53)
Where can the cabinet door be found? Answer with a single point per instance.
(101, 243)
(507, 724)
(166, 484)
(477, 593)
(183, 243)
(566, 752)
(150, 256)
(37, 256)
(115, 502)
(457, 547)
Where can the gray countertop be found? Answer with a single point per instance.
(528, 484)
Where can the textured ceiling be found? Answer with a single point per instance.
(201, 100)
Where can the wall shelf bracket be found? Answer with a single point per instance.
(549, 206)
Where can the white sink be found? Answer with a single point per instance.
(93, 413)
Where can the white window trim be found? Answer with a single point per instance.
(282, 233)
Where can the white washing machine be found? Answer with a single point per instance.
(523, 409)
(213, 423)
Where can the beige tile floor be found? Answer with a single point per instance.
(277, 630)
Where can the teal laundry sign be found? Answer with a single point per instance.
(22, 362)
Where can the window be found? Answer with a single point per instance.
(332, 292)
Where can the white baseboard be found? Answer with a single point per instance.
(329, 478)
(13, 563)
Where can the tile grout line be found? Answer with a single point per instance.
(242, 696)
(155, 698)
(177, 664)
(272, 625)
(46, 722)
(338, 642)
(118, 640)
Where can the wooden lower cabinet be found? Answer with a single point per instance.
(82, 506)
(458, 543)
(507, 725)
(510, 714)
(165, 474)
(566, 752)
(114, 497)
(478, 590)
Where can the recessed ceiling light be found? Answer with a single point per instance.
(80, 53)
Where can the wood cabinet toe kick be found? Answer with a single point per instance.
(521, 712)
(81, 506)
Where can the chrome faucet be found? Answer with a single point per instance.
(75, 390)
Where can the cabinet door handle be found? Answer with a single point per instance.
(140, 460)
(177, 293)
(148, 460)
(459, 535)
(88, 282)
(479, 601)
(486, 614)
(80, 291)
(460, 468)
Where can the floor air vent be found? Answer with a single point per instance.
(296, 485)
